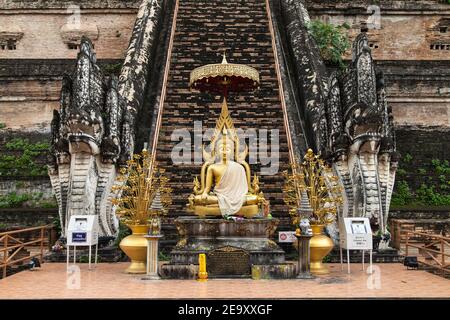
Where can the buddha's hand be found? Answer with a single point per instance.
(204, 197)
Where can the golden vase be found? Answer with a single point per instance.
(320, 245)
(135, 247)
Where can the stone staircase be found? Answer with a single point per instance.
(204, 30)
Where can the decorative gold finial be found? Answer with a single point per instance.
(224, 59)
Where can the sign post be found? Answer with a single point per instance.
(355, 234)
(81, 232)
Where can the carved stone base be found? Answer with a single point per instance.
(246, 242)
(275, 271)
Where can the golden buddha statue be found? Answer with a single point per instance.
(226, 170)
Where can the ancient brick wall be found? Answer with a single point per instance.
(418, 92)
(204, 29)
(419, 146)
(412, 48)
(30, 90)
(47, 35)
(398, 30)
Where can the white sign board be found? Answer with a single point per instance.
(355, 234)
(82, 230)
(286, 236)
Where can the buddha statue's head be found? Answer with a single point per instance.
(224, 149)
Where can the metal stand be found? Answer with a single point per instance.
(348, 260)
(152, 257)
(75, 256)
(304, 257)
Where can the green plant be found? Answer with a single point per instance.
(57, 225)
(403, 195)
(13, 200)
(2, 125)
(407, 158)
(20, 184)
(421, 171)
(31, 200)
(332, 40)
(112, 68)
(432, 192)
(50, 204)
(23, 161)
(441, 167)
(428, 196)
(163, 256)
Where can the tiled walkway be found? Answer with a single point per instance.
(109, 281)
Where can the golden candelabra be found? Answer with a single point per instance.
(313, 192)
(139, 183)
(314, 179)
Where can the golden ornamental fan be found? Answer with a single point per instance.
(314, 179)
(138, 185)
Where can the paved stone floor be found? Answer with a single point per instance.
(109, 281)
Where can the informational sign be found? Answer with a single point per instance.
(355, 234)
(82, 230)
(80, 237)
(286, 236)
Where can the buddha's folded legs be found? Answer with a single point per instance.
(213, 200)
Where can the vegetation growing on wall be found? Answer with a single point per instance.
(332, 40)
(26, 200)
(434, 190)
(22, 158)
(112, 68)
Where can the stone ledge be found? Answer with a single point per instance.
(275, 271)
(360, 6)
(382, 256)
(259, 272)
(62, 4)
(17, 68)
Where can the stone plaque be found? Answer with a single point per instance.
(228, 261)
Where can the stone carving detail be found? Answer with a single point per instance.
(71, 33)
(9, 37)
(86, 142)
(93, 133)
(350, 122)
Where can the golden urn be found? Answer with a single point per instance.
(313, 192)
(320, 245)
(135, 247)
(144, 196)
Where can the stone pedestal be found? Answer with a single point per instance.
(245, 243)
(152, 257)
(304, 257)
